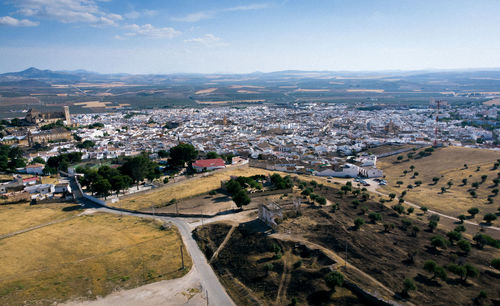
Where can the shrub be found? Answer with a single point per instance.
(424, 209)
(483, 239)
(473, 211)
(321, 200)
(410, 210)
(495, 263)
(408, 285)
(399, 208)
(388, 227)
(334, 279)
(464, 245)
(437, 271)
(212, 192)
(439, 242)
(454, 236)
(461, 218)
(459, 228)
(405, 223)
(358, 222)
(374, 217)
(489, 218)
(432, 225)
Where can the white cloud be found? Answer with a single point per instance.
(67, 11)
(207, 40)
(139, 14)
(250, 7)
(195, 17)
(13, 22)
(148, 30)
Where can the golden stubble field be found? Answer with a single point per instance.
(184, 189)
(16, 217)
(448, 165)
(85, 257)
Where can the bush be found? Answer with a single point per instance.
(399, 208)
(405, 224)
(388, 227)
(432, 225)
(473, 211)
(374, 217)
(212, 192)
(495, 263)
(437, 271)
(464, 245)
(439, 242)
(321, 200)
(408, 285)
(489, 217)
(460, 229)
(358, 222)
(461, 218)
(454, 236)
(483, 239)
(334, 279)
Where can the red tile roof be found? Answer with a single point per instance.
(206, 163)
(30, 179)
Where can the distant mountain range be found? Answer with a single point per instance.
(36, 77)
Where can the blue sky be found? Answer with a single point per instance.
(169, 36)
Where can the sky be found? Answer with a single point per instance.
(236, 36)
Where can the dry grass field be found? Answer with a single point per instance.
(447, 164)
(16, 217)
(85, 257)
(184, 189)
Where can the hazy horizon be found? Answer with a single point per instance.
(186, 36)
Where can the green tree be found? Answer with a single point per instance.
(120, 182)
(464, 245)
(408, 285)
(334, 279)
(212, 155)
(473, 211)
(102, 187)
(181, 154)
(374, 217)
(439, 242)
(241, 198)
(453, 236)
(489, 217)
(358, 222)
(38, 160)
(437, 271)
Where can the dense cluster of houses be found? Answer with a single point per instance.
(32, 188)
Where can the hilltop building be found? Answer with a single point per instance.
(42, 118)
(44, 137)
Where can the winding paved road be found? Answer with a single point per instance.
(216, 293)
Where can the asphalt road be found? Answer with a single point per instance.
(216, 293)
